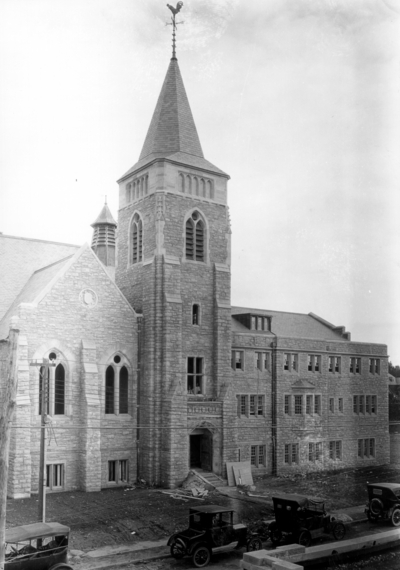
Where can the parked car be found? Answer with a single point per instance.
(384, 502)
(38, 546)
(210, 528)
(302, 519)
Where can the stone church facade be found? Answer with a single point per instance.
(155, 371)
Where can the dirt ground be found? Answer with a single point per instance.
(131, 514)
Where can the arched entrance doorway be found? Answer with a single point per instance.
(201, 449)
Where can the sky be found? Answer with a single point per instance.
(297, 100)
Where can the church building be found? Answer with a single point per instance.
(154, 372)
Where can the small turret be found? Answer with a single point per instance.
(103, 241)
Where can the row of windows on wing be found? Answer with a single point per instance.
(116, 389)
(195, 238)
(137, 188)
(194, 186)
(320, 450)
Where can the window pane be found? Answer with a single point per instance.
(111, 471)
(59, 390)
(109, 390)
(123, 390)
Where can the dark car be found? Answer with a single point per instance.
(210, 528)
(301, 519)
(384, 502)
(38, 546)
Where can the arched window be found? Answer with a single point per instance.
(196, 186)
(195, 234)
(189, 184)
(137, 239)
(109, 408)
(202, 188)
(209, 189)
(123, 390)
(195, 314)
(147, 184)
(59, 390)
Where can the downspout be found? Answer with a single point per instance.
(138, 382)
(274, 430)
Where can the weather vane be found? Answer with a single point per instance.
(174, 24)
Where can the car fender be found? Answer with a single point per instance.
(171, 539)
(195, 544)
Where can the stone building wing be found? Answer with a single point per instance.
(19, 258)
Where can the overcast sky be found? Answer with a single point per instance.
(297, 100)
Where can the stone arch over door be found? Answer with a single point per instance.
(205, 448)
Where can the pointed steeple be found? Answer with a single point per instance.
(103, 241)
(172, 133)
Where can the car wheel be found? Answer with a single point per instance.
(178, 549)
(339, 531)
(395, 518)
(275, 534)
(305, 538)
(254, 544)
(61, 566)
(376, 507)
(201, 556)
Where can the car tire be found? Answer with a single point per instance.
(376, 506)
(339, 531)
(305, 538)
(201, 556)
(254, 544)
(178, 549)
(395, 518)
(275, 534)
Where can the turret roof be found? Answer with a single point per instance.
(105, 217)
(172, 133)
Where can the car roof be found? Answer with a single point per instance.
(213, 509)
(392, 486)
(35, 530)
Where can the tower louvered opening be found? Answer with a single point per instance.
(195, 238)
(137, 239)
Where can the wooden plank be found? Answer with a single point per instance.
(243, 466)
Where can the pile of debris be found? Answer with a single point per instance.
(193, 487)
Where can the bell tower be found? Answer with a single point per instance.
(174, 268)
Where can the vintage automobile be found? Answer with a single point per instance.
(384, 502)
(38, 546)
(301, 519)
(210, 529)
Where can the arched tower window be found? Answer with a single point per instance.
(109, 408)
(182, 182)
(195, 238)
(137, 239)
(123, 390)
(209, 189)
(189, 184)
(196, 186)
(59, 390)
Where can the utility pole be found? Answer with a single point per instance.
(6, 414)
(46, 377)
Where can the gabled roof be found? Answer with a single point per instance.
(42, 281)
(172, 134)
(20, 257)
(295, 325)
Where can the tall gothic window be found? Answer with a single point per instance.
(109, 390)
(137, 239)
(54, 386)
(195, 238)
(59, 390)
(123, 390)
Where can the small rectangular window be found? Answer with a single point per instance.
(291, 453)
(340, 405)
(266, 361)
(372, 447)
(367, 404)
(298, 405)
(314, 363)
(331, 366)
(335, 450)
(318, 451)
(253, 455)
(243, 405)
(309, 404)
(238, 360)
(118, 471)
(311, 452)
(317, 404)
(259, 359)
(373, 405)
(355, 404)
(332, 405)
(286, 361)
(112, 475)
(361, 404)
(260, 405)
(287, 405)
(252, 405)
(55, 476)
(355, 365)
(257, 455)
